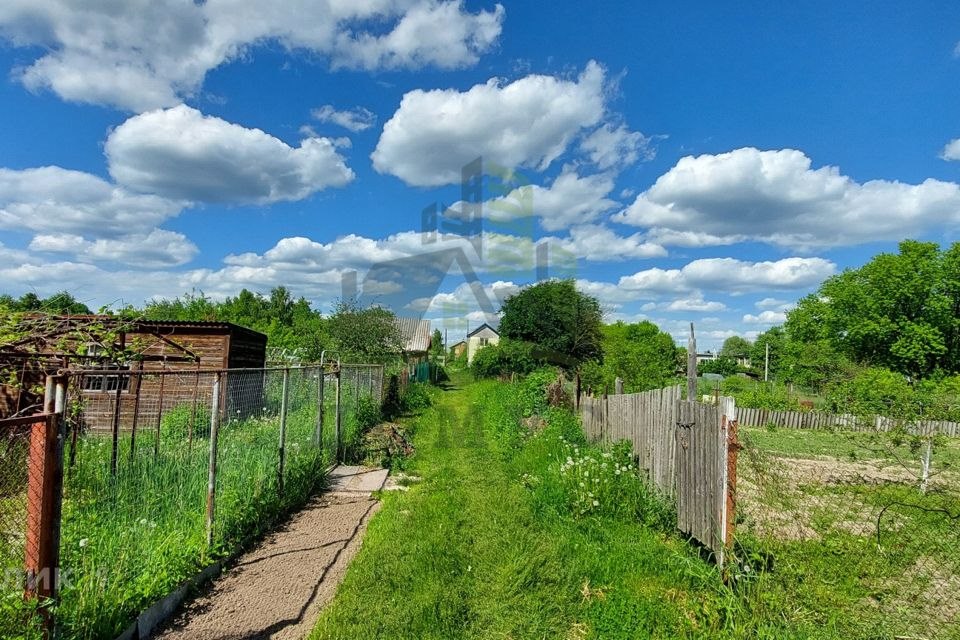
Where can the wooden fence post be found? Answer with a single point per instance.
(212, 466)
(692, 366)
(618, 386)
(115, 425)
(281, 454)
(731, 447)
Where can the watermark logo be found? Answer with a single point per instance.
(490, 231)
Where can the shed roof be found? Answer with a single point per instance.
(415, 334)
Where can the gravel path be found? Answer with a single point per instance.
(278, 589)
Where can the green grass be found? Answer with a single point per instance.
(129, 540)
(494, 543)
(852, 446)
(813, 504)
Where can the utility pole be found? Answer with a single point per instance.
(766, 364)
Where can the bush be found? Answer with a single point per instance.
(417, 397)
(509, 356)
(368, 413)
(182, 422)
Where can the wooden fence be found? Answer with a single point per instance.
(847, 422)
(687, 449)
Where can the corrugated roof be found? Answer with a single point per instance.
(415, 334)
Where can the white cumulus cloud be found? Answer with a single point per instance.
(144, 54)
(776, 197)
(155, 249)
(767, 317)
(57, 200)
(526, 123)
(180, 153)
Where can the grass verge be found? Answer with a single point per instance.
(497, 541)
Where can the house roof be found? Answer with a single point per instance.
(480, 328)
(415, 334)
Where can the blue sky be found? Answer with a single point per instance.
(683, 160)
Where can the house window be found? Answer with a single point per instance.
(111, 379)
(484, 342)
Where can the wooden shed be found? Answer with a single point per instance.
(91, 343)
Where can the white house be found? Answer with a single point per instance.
(481, 337)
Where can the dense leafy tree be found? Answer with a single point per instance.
(642, 355)
(776, 338)
(509, 356)
(736, 347)
(436, 343)
(556, 317)
(59, 303)
(723, 365)
(364, 334)
(897, 311)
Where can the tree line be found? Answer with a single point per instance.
(294, 329)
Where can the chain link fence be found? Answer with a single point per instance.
(853, 530)
(14, 470)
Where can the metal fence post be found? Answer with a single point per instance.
(212, 468)
(318, 432)
(337, 426)
(283, 429)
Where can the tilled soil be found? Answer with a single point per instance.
(278, 589)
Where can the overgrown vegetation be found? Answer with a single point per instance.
(518, 530)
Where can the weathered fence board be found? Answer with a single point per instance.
(647, 420)
(682, 447)
(749, 417)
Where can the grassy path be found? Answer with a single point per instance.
(481, 548)
(468, 553)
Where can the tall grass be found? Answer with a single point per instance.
(129, 539)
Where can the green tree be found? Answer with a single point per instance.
(642, 355)
(897, 311)
(364, 335)
(436, 343)
(775, 338)
(736, 347)
(724, 365)
(556, 317)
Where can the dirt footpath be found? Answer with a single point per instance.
(278, 589)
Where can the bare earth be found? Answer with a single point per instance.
(278, 589)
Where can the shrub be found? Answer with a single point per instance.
(368, 413)
(509, 356)
(417, 397)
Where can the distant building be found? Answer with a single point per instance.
(479, 338)
(706, 356)
(459, 348)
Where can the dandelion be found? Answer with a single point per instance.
(596, 503)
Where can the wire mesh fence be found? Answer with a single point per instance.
(14, 471)
(146, 447)
(164, 472)
(856, 530)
